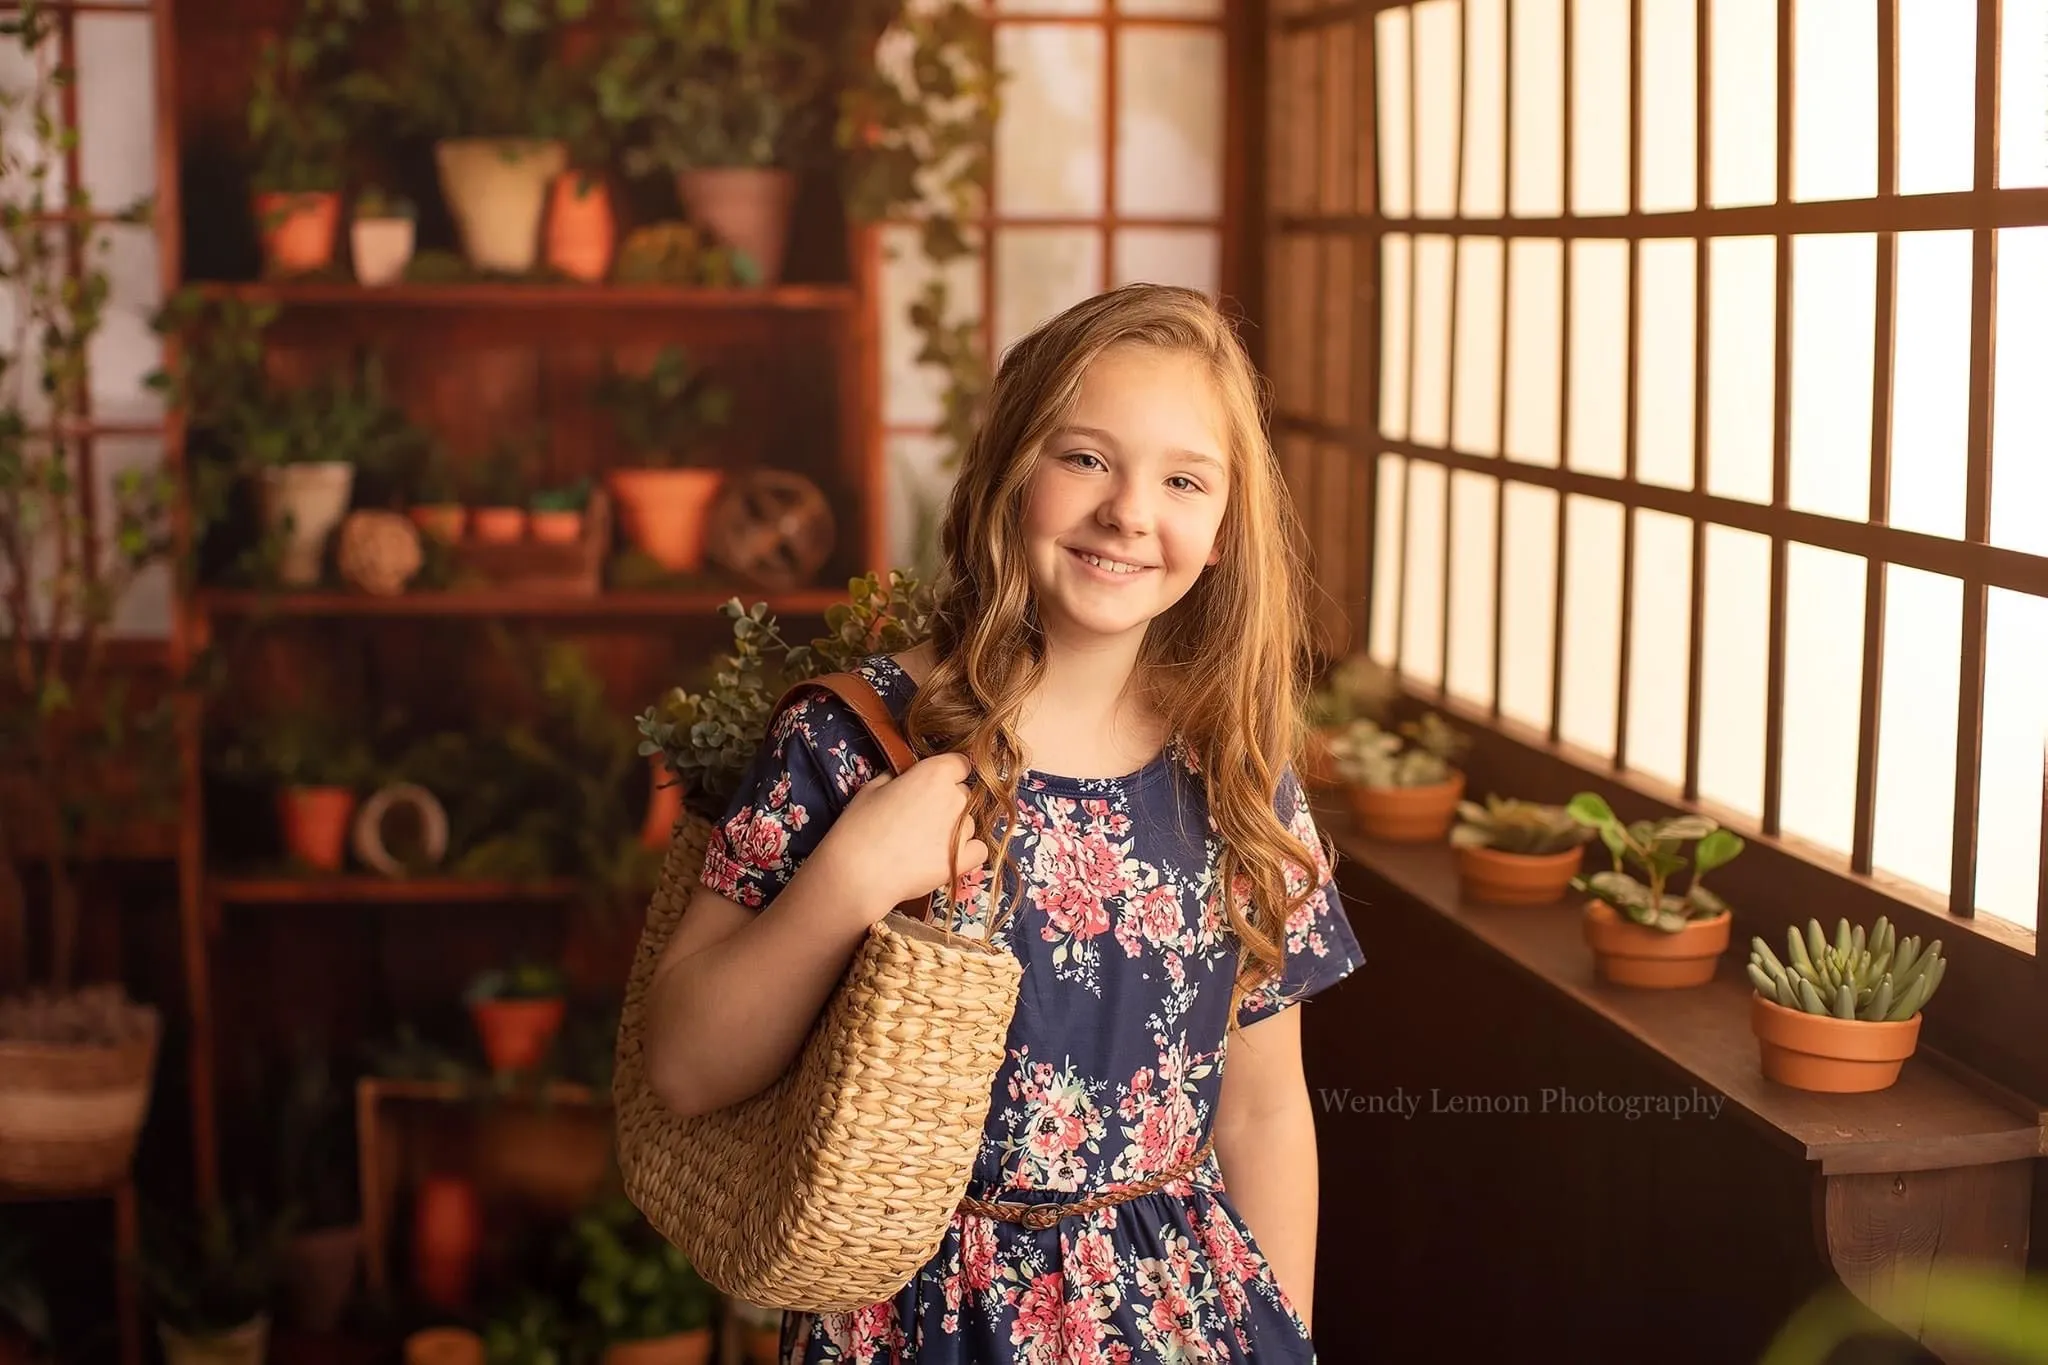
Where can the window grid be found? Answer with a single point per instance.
(1971, 559)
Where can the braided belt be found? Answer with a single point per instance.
(1042, 1216)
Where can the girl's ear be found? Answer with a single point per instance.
(1215, 556)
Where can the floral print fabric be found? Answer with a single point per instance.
(1115, 1061)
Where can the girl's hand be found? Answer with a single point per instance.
(896, 838)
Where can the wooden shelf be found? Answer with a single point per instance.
(364, 890)
(786, 298)
(500, 602)
(14, 1194)
(1935, 1116)
(380, 1089)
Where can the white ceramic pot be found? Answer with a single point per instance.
(244, 1345)
(381, 248)
(306, 501)
(497, 192)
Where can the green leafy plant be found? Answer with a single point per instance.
(375, 203)
(735, 84)
(707, 738)
(522, 981)
(635, 1283)
(1656, 850)
(473, 68)
(666, 413)
(1875, 979)
(569, 498)
(1526, 827)
(528, 1331)
(1358, 688)
(1420, 753)
(504, 475)
(212, 1271)
(299, 118)
(299, 746)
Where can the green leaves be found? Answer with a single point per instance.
(1656, 849)
(1875, 978)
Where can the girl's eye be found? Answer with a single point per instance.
(1191, 485)
(1082, 455)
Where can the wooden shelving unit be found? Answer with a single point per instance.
(495, 603)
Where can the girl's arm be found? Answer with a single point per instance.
(1266, 1145)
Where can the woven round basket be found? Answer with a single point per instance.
(830, 1189)
(70, 1112)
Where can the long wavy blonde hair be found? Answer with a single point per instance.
(1226, 664)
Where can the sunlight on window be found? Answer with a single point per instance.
(1741, 274)
(1536, 119)
(1528, 602)
(1386, 559)
(1834, 305)
(1592, 623)
(2015, 732)
(1916, 741)
(1600, 150)
(1823, 685)
(1599, 349)
(1834, 99)
(1429, 418)
(1422, 625)
(1535, 319)
(1743, 97)
(1664, 362)
(1472, 530)
(1436, 108)
(1669, 101)
(1660, 650)
(1475, 424)
(2023, 94)
(1394, 249)
(1734, 649)
(1390, 43)
(1049, 153)
(1485, 188)
(2019, 410)
(1169, 129)
(1931, 382)
(1937, 94)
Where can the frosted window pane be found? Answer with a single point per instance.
(24, 343)
(1390, 43)
(1475, 424)
(1338, 309)
(1931, 383)
(1665, 324)
(1916, 739)
(2015, 732)
(2019, 416)
(2022, 93)
(145, 609)
(1049, 153)
(116, 100)
(1292, 355)
(1192, 9)
(1528, 602)
(1938, 95)
(1743, 68)
(1394, 259)
(127, 347)
(1600, 150)
(1823, 685)
(1592, 623)
(1188, 256)
(1536, 131)
(1039, 272)
(918, 484)
(911, 391)
(1535, 325)
(1472, 530)
(1733, 655)
(1660, 644)
(1599, 378)
(1834, 99)
(1741, 276)
(1386, 559)
(1169, 122)
(1485, 189)
(1427, 423)
(1669, 166)
(1436, 108)
(1834, 305)
(1422, 632)
(1340, 120)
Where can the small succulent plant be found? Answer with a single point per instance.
(1656, 849)
(1518, 827)
(1879, 979)
(1358, 688)
(1420, 754)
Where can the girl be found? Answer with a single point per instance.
(1110, 702)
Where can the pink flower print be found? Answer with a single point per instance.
(874, 1329)
(978, 1254)
(1039, 1312)
(765, 840)
(1091, 1260)
(1230, 1255)
(1159, 914)
(1142, 1082)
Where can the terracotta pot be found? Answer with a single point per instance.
(315, 823)
(683, 1348)
(582, 229)
(1406, 815)
(305, 501)
(1319, 768)
(444, 521)
(444, 1346)
(664, 805)
(320, 1276)
(745, 207)
(381, 248)
(298, 231)
(763, 1346)
(447, 1227)
(496, 190)
(1631, 954)
(663, 512)
(1821, 1052)
(244, 1345)
(1496, 878)
(497, 525)
(555, 528)
(516, 1033)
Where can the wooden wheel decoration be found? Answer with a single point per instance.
(419, 831)
(771, 527)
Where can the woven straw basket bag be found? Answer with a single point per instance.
(830, 1189)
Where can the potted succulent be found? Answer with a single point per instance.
(664, 416)
(1359, 688)
(588, 106)
(210, 1278)
(298, 129)
(498, 492)
(318, 768)
(648, 1302)
(383, 233)
(1517, 852)
(517, 1010)
(1840, 1016)
(1403, 784)
(436, 507)
(316, 1176)
(557, 516)
(1642, 933)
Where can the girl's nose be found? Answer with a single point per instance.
(1127, 509)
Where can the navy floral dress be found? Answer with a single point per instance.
(1115, 1062)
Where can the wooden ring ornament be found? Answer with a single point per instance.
(369, 826)
(772, 527)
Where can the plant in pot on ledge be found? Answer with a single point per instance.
(665, 417)
(1358, 688)
(316, 1181)
(518, 1011)
(1517, 852)
(1641, 933)
(210, 1279)
(647, 1300)
(1840, 1016)
(317, 770)
(1403, 785)
(383, 232)
(298, 124)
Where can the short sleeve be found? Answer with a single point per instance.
(809, 764)
(1321, 948)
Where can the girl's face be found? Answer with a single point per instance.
(1124, 507)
